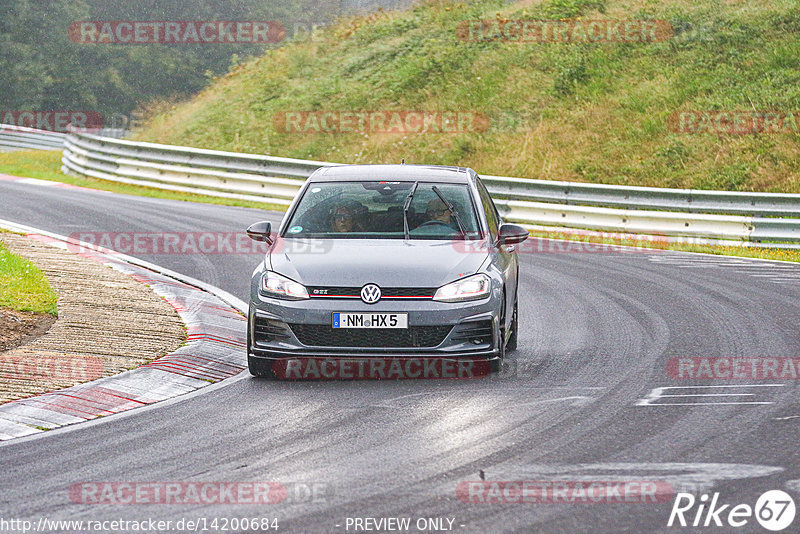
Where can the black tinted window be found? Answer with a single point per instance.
(488, 207)
(375, 210)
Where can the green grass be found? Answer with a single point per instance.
(46, 165)
(23, 286)
(580, 112)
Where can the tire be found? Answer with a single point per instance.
(512, 341)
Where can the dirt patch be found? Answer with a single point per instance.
(18, 327)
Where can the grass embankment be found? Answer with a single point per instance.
(46, 165)
(23, 286)
(590, 112)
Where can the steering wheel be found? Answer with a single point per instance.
(434, 221)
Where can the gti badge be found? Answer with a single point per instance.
(370, 293)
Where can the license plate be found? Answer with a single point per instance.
(370, 320)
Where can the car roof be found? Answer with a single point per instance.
(395, 173)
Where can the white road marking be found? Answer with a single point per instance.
(680, 266)
(713, 395)
(768, 266)
(775, 272)
(36, 181)
(577, 399)
(659, 393)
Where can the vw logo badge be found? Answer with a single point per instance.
(370, 293)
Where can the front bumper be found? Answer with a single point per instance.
(277, 329)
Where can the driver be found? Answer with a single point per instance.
(437, 211)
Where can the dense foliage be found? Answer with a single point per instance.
(42, 69)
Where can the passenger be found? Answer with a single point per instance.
(342, 220)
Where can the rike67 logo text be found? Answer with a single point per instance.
(774, 510)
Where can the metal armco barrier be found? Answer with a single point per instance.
(207, 172)
(643, 210)
(648, 198)
(21, 138)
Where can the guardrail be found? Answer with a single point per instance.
(648, 198)
(642, 210)
(21, 138)
(208, 172)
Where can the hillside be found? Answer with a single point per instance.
(582, 111)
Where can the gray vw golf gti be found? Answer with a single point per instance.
(377, 261)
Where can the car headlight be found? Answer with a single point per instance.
(278, 286)
(470, 288)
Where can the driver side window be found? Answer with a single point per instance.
(488, 208)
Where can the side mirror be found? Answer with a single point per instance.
(510, 234)
(260, 231)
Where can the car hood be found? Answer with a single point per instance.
(388, 263)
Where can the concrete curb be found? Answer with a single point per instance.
(214, 350)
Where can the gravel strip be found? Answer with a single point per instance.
(107, 323)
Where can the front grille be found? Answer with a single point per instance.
(395, 292)
(333, 292)
(269, 330)
(477, 332)
(411, 337)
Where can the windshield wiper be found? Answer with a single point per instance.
(452, 209)
(406, 205)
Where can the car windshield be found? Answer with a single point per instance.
(376, 209)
